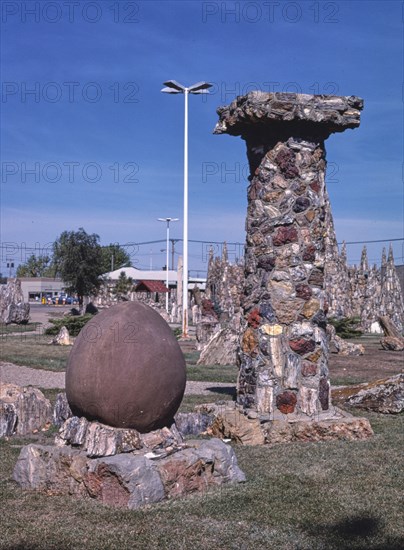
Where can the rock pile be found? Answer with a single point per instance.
(124, 468)
(248, 428)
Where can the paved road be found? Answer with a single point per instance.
(41, 313)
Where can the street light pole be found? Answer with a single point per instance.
(174, 87)
(167, 220)
(185, 236)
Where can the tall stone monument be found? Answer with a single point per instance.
(283, 356)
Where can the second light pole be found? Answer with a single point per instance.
(167, 220)
(174, 87)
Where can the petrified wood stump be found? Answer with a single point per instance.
(283, 356)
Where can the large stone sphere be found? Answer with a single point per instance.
(126, 369)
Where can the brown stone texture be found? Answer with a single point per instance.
(233, 424)
(126, 369)
(309, 369)
(390, 343)
(393, 341)
(221, 325)
(249, 342)
(286, 402)
(302, 346)
(285, 243)
(324, 394)
(303, 291)
(221, 349)
(316, 278)
(382, 396)
(310, 308)
(254, 318)
(127, 480)
(344, 429)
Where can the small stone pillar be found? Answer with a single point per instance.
(283, 356)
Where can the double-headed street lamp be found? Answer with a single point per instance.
(167, 220)
(173, 87)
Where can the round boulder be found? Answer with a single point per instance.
(126, 369)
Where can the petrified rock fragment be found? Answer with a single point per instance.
(97, 439)
(127, 480)
(23, 410)
(343, 428)
(62, 338)
(393, 341)
(392, 344)
(61, 410)
(221, 349)
(342, 346)
(383, 396)
(13, 309)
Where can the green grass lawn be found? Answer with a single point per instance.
(308, 496)
(187, 405)
(348, 380)
(34, 351)
(8, 329)
(329, 495)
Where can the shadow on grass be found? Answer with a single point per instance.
(361, 532)
(227, 390)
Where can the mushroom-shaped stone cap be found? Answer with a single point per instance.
(322, 114)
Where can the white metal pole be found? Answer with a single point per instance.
(168, 240)
(185, 251)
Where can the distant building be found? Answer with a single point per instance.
(160, 275)
(143, 275)
(36, 288)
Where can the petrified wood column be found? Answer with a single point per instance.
(283, 348)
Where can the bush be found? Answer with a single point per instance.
(347, 327)
(74, 324)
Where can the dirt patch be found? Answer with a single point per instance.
(375, 364)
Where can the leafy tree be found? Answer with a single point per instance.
(36, 266)
(120, 257)
(346, 327)
(77, 258)
(123, 285)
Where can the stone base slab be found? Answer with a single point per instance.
(127, 480)
(249, 429)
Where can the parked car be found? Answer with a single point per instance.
(64, 299)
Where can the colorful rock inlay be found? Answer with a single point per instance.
(283, 348)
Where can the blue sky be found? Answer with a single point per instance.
(89, 141)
